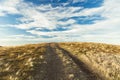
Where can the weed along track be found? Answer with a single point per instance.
(45, 61)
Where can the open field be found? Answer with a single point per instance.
(60, 61)
(102, 59)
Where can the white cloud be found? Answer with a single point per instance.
(45, 16)
(48, 19)
(8, 6)
(21, 36)
(76, 1)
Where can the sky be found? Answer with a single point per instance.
(36, 21)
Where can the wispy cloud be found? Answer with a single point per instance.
(76, 1)
(8, 7)
(65, 23)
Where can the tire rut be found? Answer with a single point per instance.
(84, 68)
(71, 69)
(54, 67)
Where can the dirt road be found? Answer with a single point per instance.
(57, 64)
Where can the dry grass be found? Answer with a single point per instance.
(20, 63)
(17, 63)
(102, 59)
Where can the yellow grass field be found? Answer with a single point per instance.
(102, 59)
(57, 61)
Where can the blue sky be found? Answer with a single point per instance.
(35, 21)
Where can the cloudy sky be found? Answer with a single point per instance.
(35, 21)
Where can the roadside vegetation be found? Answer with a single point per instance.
(19, 63)
(102, 59)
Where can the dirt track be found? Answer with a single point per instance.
(58, 64)
(61, 66)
